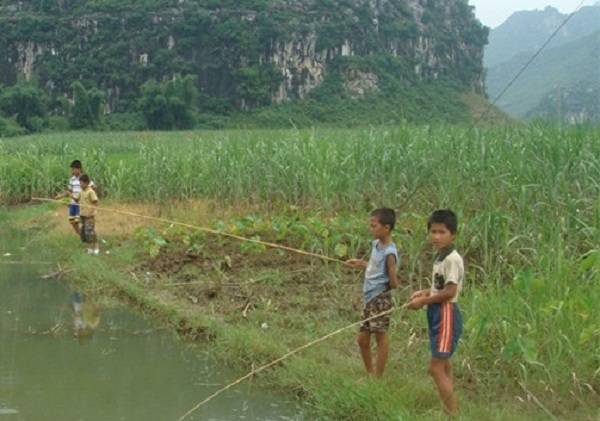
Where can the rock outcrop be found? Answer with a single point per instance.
(245, 53)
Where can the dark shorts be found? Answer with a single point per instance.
(88, 229)
(73, 212)
(383, 302)
(445, 328)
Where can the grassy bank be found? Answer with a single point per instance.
(249, 306)
(527, 198)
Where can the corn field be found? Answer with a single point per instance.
(528, 199)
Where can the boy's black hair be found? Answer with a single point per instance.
(84, 178)
(446, 217)
(385, 216)
(76, 164)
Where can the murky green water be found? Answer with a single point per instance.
(122, 370)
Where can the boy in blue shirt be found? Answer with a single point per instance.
(380, 279)
(443, 315)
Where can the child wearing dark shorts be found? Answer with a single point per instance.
(380, 279)
(443, 314)
(88, 230)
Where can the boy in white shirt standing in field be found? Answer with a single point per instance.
(443, 315)
(73, 191)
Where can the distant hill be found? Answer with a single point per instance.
(563, 82)
(558, 68)
(577, 104)
(527, 30)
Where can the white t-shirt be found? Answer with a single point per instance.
(448, 270)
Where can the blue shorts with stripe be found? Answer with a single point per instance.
(74, 211)
(445, 328)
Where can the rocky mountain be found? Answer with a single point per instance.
(576, 104)
(526, 31)
(564, 79)
(242, 53)
(560, 68)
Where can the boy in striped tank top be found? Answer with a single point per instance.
(443, 315)
(73, 191)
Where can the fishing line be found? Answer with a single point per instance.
(267, 244)
(204, 229)
(284, 357)
(21, 263)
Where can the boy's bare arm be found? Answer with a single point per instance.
(392, 269)
(356, 263)
(94, 203)
(446, 294)
(421, 293)
(66, 193)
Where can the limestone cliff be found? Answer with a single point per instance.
(244, 53)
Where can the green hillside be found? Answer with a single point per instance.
(576, 104)
(172, 64)
(557, 69)
(526, 31)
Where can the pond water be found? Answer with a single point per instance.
(62, 357)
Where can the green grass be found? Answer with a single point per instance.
(528, 199)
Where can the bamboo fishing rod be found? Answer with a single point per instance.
(250, 240)
(286, 356)
(24, 262)
(203, 229)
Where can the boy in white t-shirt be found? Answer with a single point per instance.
(443, 315)
(73, 190)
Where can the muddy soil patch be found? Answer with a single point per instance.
(224, 281)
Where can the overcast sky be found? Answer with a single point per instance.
(493, 12)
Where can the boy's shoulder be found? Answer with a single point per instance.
(388, 248)
(455, 255)
(376, 245)
(454, 258)
(449, 258)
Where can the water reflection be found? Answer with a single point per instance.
(86, 316)
(127, 370)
